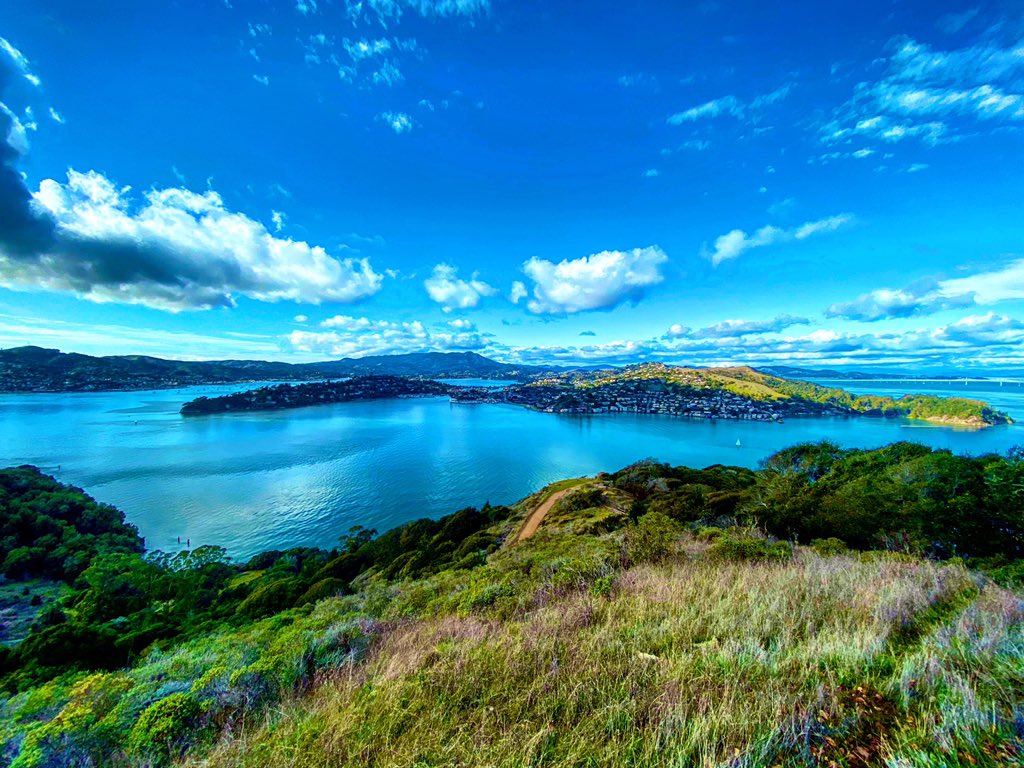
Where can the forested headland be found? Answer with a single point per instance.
(852, 606)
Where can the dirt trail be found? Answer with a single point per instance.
(533, 520)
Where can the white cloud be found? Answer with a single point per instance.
(518, 292)
(399, 122)
(388, 10)
(301, 318)
(446, 288)
(176, 250)
(388, 74)
(360, 336)
(600, 281)
(772, 97)
(1005, 283)
(737, 242)
(17, 58)
(1002, 284)
(878, 305)
(923, 89)
(364, 49)
(261, 79)
(278, 219)
(639, 79)
(651, 173)
(729, 105)
(729, 328)
(17, 132)
(56, 116)
(829, 224)
(977, 340)
(725, 105)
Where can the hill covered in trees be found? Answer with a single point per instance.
(49, 530)
(35, 369)
(847, 607)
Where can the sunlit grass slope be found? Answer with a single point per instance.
(599, 641)
(560, 658)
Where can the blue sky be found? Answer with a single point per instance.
(721, 183)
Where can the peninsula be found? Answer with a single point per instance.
(317, 393)
(733, 393)
(711, 393)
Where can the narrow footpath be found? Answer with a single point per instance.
(533, 520)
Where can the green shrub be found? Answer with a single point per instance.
(745, 546)
(485, 595)
(585, 498)
(269, 598)
(164, 728)
(602, 586)
(322, 589)
(829, 547)
(652, 538)
(709, 533)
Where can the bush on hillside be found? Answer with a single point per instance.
(653, 538)
(747, 546)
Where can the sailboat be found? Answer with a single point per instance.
(738, 443)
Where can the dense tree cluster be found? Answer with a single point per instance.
(54, 531)
(123, 601)
(903, 496)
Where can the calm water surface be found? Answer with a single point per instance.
(256, 481)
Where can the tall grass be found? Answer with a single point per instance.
(686, 663)
(964, 687)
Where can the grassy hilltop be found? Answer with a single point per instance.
(762, 387)
(835, 607)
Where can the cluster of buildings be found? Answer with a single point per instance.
(649, 396)
(17, 378)
(644, 397)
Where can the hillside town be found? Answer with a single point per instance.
(652, 397)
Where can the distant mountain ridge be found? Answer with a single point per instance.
(37, 369)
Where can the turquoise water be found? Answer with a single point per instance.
(255, 481)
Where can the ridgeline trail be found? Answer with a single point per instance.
(534, 519)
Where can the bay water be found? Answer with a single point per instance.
(272, 480)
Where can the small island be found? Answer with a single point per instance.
(701, 393)
(317, 393)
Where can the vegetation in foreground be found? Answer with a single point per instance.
(659, 616)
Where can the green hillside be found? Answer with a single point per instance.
(749, 383)
(835, 607)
